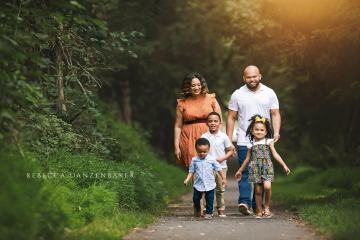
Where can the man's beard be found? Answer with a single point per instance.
(252, 87)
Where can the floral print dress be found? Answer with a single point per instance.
(260, 167)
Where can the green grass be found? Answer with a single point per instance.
(85, 207)
(114, 227)
(327, 199)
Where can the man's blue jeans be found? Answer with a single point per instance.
(209, 198)
(245, 188)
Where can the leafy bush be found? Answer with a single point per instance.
(94, 176)
(25, 212)
(136, 187)
(48, 133)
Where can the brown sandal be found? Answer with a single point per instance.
(259, 215)
(267, 213)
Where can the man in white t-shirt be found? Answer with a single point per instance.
(250, 99)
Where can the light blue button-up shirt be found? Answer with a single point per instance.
(203, 170)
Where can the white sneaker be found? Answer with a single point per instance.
(243, 208)
(208, 216)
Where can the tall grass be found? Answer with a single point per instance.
(327, 199)
(77, 203)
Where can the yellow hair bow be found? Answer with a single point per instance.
(260, 119)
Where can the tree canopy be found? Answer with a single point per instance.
(59, 59)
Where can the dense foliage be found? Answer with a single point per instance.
(70, 70)
(56, 54)
(55, 196)
(54, 59)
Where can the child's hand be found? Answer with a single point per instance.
(238, 175)
(186, 182)
(287, 170)
(233, 149)
(219, 160)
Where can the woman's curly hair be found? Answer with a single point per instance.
(259, 119)
(186, 85)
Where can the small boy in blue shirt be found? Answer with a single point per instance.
(204, 165)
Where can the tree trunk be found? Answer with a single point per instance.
(61, 105)
(60, 83)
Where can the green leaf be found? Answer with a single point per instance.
(100, 24)
(6, 115)
(42, 36)
(10, 40)
(78, 5)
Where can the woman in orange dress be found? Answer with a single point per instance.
(191, 113)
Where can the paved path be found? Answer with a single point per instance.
(179, 223)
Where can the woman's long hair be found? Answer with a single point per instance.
(186, 85)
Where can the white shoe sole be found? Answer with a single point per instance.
(244, 210)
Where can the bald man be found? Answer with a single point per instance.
(250, 99)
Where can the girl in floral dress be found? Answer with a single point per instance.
(261, 171)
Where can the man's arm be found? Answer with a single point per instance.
(276, 123)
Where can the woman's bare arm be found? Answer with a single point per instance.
(177, 132)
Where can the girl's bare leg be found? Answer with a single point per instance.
(267, 189)
(258, 197)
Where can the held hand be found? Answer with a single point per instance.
(238, 175)
(185, 182)
(287, 170)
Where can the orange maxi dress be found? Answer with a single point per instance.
(194, 112)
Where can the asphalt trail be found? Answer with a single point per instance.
(179, 223)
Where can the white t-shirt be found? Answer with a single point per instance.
(248, 103)
(218, 144)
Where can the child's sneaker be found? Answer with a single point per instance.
(243, 208)
(221, 213)
(208, 216)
